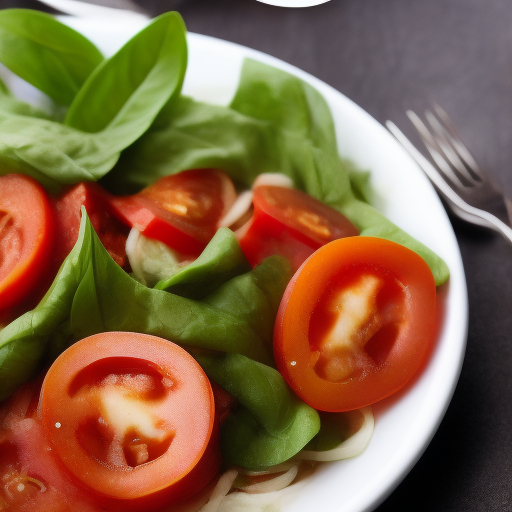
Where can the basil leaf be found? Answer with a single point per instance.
(46, 53)
(126, 92)
(221, 260)
(92, 294)
(271, 425)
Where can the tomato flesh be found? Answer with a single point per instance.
(132, 419)
(26, 237)
(182, 210)
(291, 223)
(110, 231)
(361, 328)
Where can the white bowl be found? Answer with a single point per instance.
(404, 424)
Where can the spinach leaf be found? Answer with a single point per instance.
(336, 427)
(23, 342)
(271, 425)
(50, 152)
(255, 296)
(108, 299)
(10, 105)
(126, 92)
(46, 53)
(92, 294)
(221, 260)
(198, 135)
(117, 103)
(3, 89)
(276, 123)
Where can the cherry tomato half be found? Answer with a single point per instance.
(291, 223)
(182, 210)
(356, 322)
(26, 236)
(131, 417)
(111, 232)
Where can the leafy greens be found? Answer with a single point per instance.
(93, 294)
(116, 102)
(51, 56)
(126, 114)
(275, 123)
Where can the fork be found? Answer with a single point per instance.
(468, 191)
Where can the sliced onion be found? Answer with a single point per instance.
(274, 484)
(351, 447)
(238, 501)
(240, 207)
(221, 489)
(275, 179)
(131, 252)
(151, 260)
(279, 468)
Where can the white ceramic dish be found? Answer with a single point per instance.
(404, 426)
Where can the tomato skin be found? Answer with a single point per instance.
(403, 349)
(111, 232)
(179, 404)
(182, 210)
(26, 238)
(291, 223)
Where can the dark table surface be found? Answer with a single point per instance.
(387, 56)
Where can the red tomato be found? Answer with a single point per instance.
(26, 236)
(111, 232)
(131, 418)
(291, 223)
(356, 322)
(225, 403)
(182, 210)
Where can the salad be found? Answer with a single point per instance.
(122, 121)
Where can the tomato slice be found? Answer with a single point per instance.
(111, 232)
(26, 236)
(291, 223)
(131, 417)
(182, 210)
(356, 322)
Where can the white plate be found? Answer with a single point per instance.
(404, 426)
(294, 3)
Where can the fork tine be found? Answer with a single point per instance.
(444, 141)
(457, 141)
(433, 149)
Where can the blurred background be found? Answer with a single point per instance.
(388, 56)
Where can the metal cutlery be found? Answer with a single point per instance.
(468, 191)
